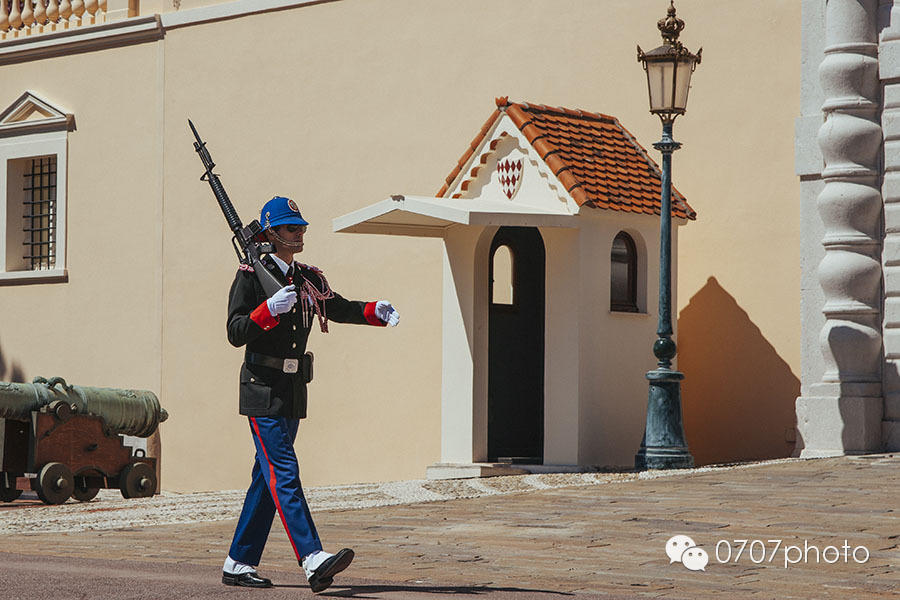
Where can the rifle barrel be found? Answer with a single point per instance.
(231, 216)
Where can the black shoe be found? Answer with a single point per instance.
(251, 580)
(324, 575)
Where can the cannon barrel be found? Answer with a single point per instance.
(128, 412)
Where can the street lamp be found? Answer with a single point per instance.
(668, 69)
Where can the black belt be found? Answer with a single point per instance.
(302, 366)
(286, 365)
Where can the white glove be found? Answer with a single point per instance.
(387, 313)
(282, 300)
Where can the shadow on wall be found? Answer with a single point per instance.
(738, 394)
(12, 374)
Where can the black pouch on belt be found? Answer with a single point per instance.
(304, 375)
(306, 367)
(300, 402)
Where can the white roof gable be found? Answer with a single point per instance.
(504, 151)
(31, 114)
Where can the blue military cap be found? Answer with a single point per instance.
(280, 211)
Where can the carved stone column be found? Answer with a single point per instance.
(889, 67)
(843, 411)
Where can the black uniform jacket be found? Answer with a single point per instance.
(266, 391)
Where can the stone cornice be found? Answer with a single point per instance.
(231, 10)
(135, 30)
(65, 123)
(82, 39)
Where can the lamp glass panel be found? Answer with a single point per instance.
(659, 78)
(683, 84)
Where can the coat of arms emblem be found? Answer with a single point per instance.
(510, 172)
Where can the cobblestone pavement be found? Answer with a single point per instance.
(524, 536)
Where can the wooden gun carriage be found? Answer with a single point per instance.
(62, 441)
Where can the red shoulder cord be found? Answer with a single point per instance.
(313, 300)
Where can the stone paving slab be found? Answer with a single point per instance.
(601, 539)
(110, 511)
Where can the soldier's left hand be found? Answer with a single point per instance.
(387, 313)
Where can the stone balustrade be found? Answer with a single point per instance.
(21, 18)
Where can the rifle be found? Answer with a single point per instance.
(245, 240)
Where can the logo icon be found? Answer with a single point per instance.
(695, 558)
(293, 206)
(510, 172)
(681, 548)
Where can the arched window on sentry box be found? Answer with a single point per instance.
(502, 285)
(623, 274)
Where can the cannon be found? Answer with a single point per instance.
(64, 440)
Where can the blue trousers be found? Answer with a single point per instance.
(274, 487)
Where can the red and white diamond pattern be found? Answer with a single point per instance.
(510, 172)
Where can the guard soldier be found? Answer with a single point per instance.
(273, 382)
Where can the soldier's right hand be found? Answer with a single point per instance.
(282, 300)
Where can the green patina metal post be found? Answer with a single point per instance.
(669, 68)
(664, 446)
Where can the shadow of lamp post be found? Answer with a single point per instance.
(668, 69)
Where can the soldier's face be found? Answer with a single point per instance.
(288, 238)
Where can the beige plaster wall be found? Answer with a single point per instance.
(339, 105)
(564, 305)
(464, 382)
(150, 7)
(287, 111)
(102, 327)
(616, 347)
(739, 264)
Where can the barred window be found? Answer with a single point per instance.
(33, 175)
(39, 212)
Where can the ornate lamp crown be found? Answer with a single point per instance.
(671, 26)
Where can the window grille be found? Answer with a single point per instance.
(40, 213)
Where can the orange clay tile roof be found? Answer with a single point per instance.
(597, 160)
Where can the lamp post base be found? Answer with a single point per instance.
(663, 458)
(664, 446)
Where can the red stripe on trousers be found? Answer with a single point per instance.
(272, 486)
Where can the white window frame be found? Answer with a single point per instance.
(32, 139)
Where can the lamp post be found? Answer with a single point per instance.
(668, 69)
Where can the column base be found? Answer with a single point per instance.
(838, 425)
(471, 470)
(890, 436)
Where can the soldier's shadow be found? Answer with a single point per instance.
(12, 373)
(363, 591)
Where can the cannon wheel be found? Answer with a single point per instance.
(84, 494)
(82, 491)
(137, 480)
(55, 483)
(8, 494)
